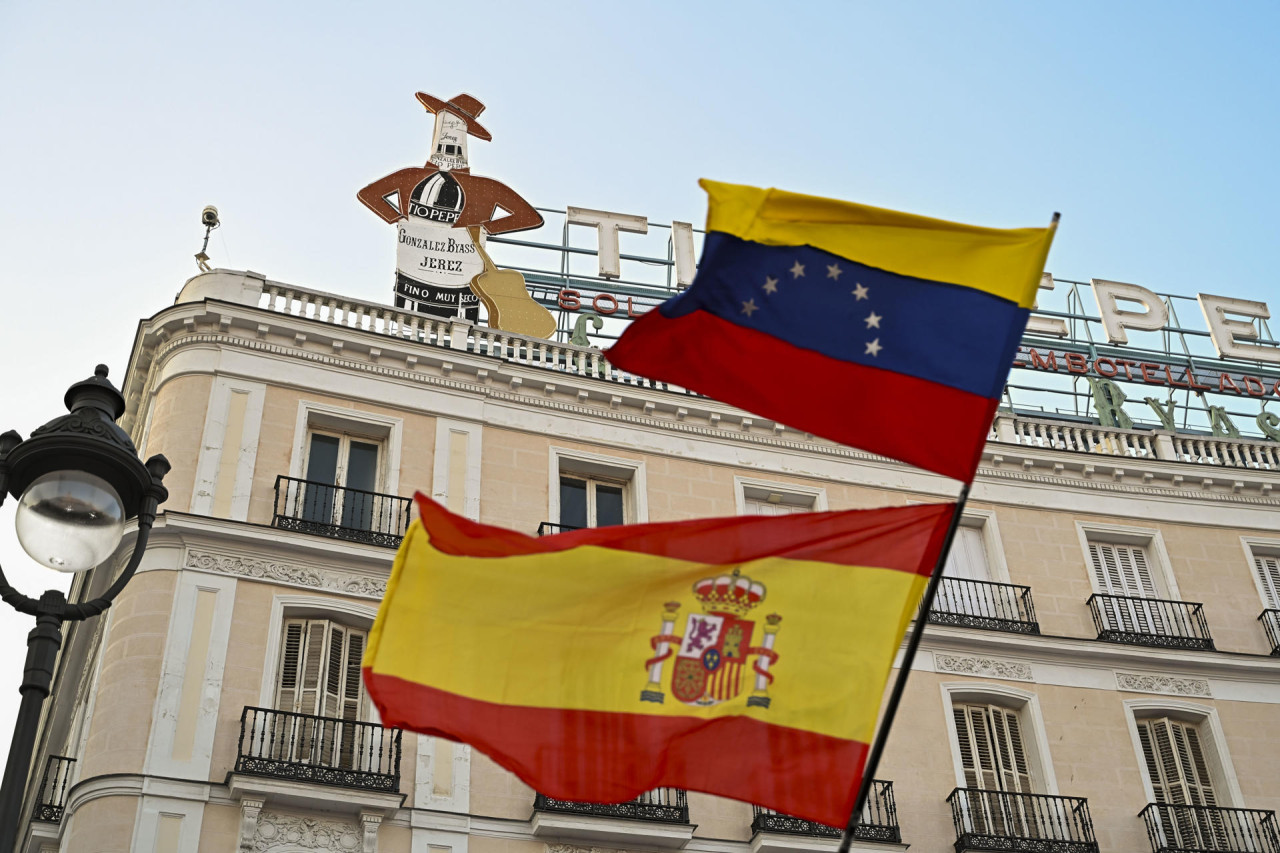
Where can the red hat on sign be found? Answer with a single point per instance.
(464, 107)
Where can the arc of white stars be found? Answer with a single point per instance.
(770, 284)
(749, 307)
(873, 320)
(873, 348)
(834, 271)
(860, 292)
(797, 270)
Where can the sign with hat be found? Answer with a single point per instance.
(442, 215)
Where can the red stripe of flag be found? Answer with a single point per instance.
(923, 423)
(595, 756)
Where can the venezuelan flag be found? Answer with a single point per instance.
(878, 329)
(744, 657)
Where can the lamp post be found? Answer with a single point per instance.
(77, 479)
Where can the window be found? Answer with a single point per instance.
(1265, 558)
(991, 751)
(591, 502)
(593, 490)
(342, 474)
(1122, 570)
(1175, 762)
(320, 670)
(968, 557)
(994, 763)
(1175, 759)
(320, 677)
(762, 497)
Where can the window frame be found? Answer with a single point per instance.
(1148, 538)
(1027, 707)
(1254, 548)
(751, 488)
(1212, 740)
(325, 418)
(613, 470)
(285, 607)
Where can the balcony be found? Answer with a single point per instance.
(318, 750)
(878, 821)
(984, 604)
(1270, 620)
(666, 805)
(1150, 622)
(657, 818)
(1209, 829)
(341, 513)
(53, 789)
(1034, 823)
(546, 528)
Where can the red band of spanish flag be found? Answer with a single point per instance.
(744, 657)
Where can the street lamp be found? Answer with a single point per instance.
(78, 479)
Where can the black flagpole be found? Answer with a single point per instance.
(900, 683)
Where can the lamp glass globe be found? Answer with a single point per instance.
(70, 520)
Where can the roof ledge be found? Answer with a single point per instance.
(243, 288)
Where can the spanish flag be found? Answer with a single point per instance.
(744, 657)
(862, 325)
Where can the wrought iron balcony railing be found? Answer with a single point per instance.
(546, 528)
(664, 805)
(1150, 622)
(354, 514)
(1210, 829)
(1035, 823)
(1270, 620)
(53, 789)
(878, 821)
(322, 750)
(984, 604)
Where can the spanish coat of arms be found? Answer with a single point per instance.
(711, 658)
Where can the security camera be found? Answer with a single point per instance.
(209, 217)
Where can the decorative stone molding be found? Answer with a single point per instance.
(1168, 685)
(286, 573)
(290, 832)
(573, 848)
(1256, 491)
(985, 667)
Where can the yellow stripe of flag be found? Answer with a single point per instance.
(572, 630)
(1003, 262)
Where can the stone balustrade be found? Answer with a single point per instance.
(1215, 451)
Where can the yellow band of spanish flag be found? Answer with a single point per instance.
(600, 663)
(1005, 262)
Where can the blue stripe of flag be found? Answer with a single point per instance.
(938, 332)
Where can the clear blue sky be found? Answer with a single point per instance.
(1151, 126)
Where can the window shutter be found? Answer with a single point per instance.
(301, 661)
(1014, 775)
(290, 657)
(968, 556)
(1269, 574)
(1122, 569)
(1175, 762)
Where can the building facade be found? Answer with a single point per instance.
(1100, 670)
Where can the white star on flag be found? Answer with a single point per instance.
(770, 284)
(797, 269)
(834, 271)
(860, 292)
(749, 306)
(873, 348)
(873, 320)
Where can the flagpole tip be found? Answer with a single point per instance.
(1056, 217)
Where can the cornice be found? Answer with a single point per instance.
(582, 395)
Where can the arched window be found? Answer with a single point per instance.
(320, 670)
